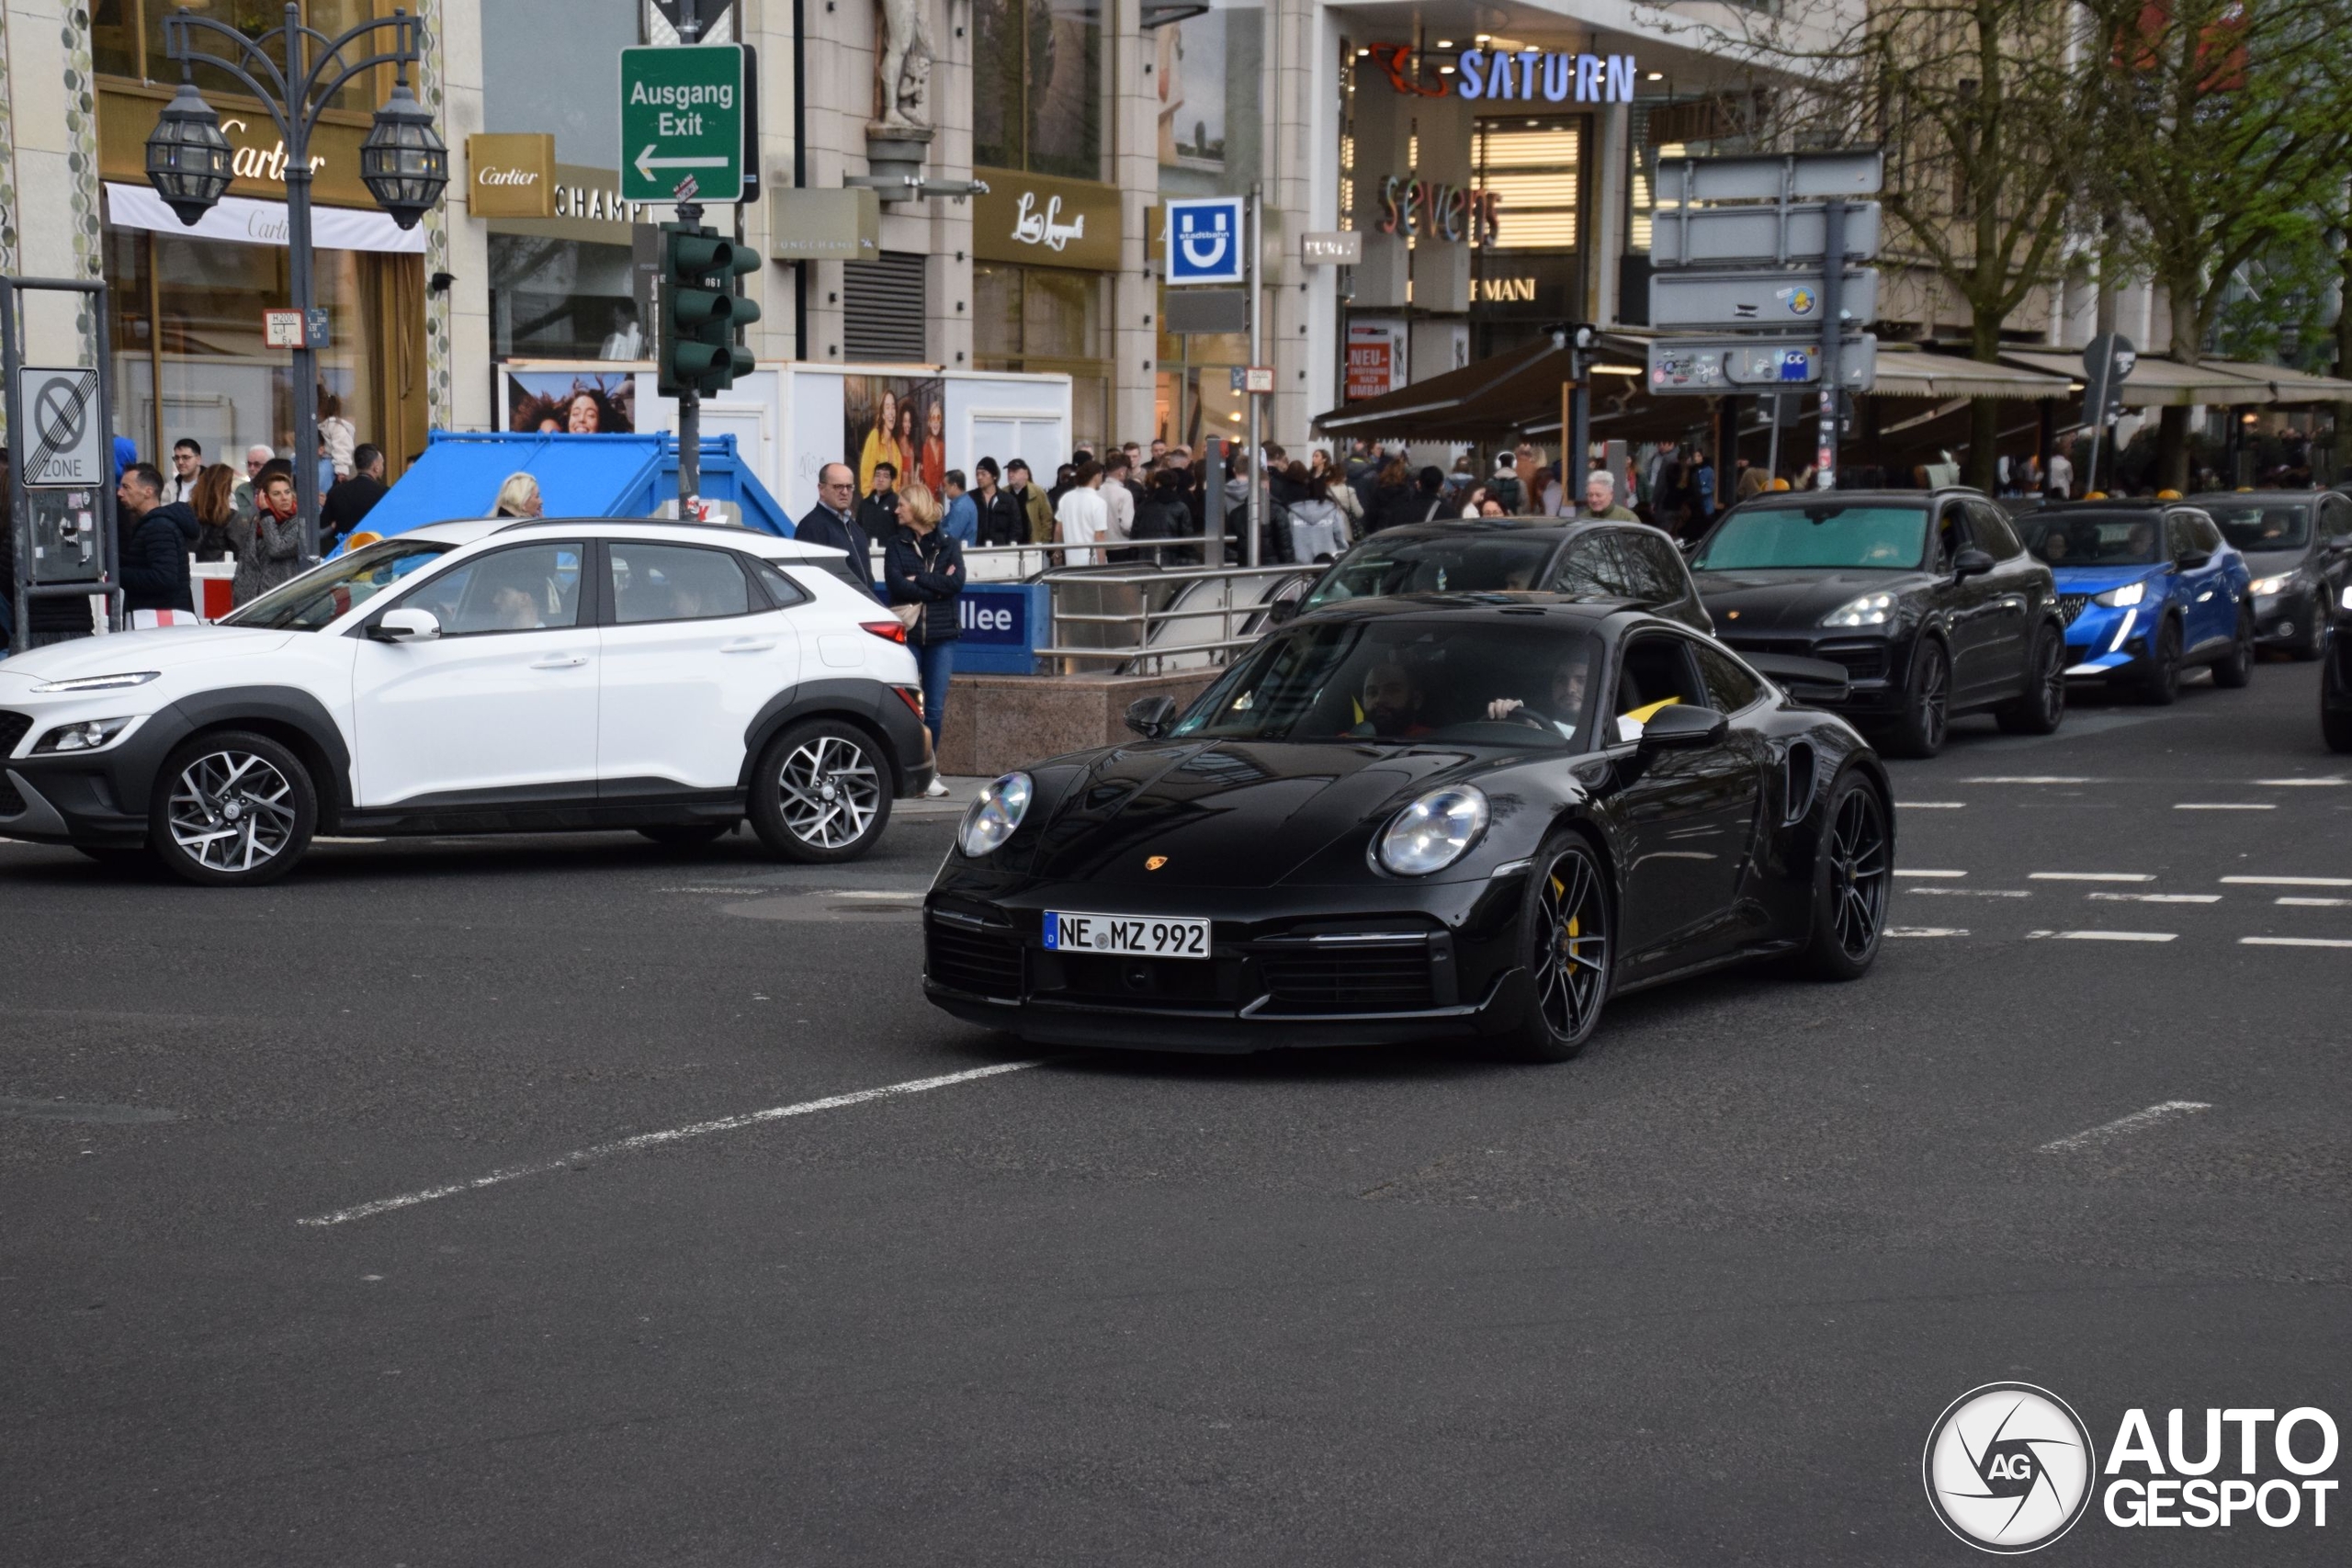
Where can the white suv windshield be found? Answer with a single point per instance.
(335, 588)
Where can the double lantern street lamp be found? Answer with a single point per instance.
(295, 72)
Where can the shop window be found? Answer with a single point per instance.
(554, 299)
(1050, 320)
(1535, 167)
(127, 39)
(1037, 87)
(1207, 87)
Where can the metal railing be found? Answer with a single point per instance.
(1141, 620)
(1027, 563)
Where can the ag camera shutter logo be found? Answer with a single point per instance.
(2009, 1468)
(1204, 241)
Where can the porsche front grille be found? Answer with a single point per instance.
(966, 955)
(1356, 978)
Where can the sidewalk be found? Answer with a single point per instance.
(961, 788)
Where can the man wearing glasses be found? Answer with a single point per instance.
(831, 521)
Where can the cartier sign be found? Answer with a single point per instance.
(1044, 221)
(511, 176)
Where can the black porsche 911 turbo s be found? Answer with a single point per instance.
(1429, 816)
(1929, 599)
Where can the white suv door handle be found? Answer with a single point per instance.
(560, 662)
(748, 645)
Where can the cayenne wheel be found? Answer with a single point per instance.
(2237, 667)
(688, 835)
(1853, 873)
(2042, 704)
(2160, 676)
(233, 809)
(822, 792)
(1565, 926)
(2313, 642)
(1926, 707)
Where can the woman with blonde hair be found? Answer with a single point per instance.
(518, 496)
(923, 568)
(881, 443)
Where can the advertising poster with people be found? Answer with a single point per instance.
(897, 420)
(571, 403)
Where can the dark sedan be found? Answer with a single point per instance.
(1415, 817)
(1928, 599)
(1586, 558)
(2285, 536)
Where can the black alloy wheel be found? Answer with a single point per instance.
(1927, 705)
(2236, 668)
(822, 792)
(1853, 874)
(2042, 704)
(688, 835)
(233, 809)
(2160, 671)
(1564, 925)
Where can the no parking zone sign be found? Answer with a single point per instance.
(1205, 243)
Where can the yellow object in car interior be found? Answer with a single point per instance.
(1642, 714)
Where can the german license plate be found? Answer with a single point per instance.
(1134, 936)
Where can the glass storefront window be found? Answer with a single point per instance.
(1047, 319)
(1037, 87)
(1206, 75)
(562, 299)
(127, 39)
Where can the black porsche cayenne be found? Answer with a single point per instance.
(1928, 598)
(1425, 816)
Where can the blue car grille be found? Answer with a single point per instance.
(2073, 605)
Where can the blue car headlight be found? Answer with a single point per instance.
(2122, 598)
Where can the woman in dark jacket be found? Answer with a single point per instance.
(1393, 500)
(923, 569)
(1162, 514)
(216, 510)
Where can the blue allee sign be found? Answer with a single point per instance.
(1205, 243)
(1552, 76)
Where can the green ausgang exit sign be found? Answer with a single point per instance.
(682, 123)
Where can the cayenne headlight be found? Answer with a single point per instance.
(100, 683)
(2268, 585)
(1434, 831)
(994, 813)
(1870, 610)
(2122, 598)
(87, 736)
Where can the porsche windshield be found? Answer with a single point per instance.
(1817, 535)
(337, 587)
(1454, 682)
(2095, 538)
(1458, 563)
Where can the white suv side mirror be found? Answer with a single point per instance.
(405, 626)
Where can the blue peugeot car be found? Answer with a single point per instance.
(2148, 588)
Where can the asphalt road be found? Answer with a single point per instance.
(1696, 1297)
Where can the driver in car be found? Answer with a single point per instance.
(1391, 701)
(1564, 702)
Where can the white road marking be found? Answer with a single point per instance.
(654, 1140)
(1932, 874)
(2316, 903)
(2298, 783)
(858, 893)
(1930, 805)
(2108, 936)
(2121, 1125)
(1925, 930)
(1974, 892)
(2156, 898)
(2029, 779)
(2287, 881)
(2225, 805)
(2293, 941)
(2088, 876)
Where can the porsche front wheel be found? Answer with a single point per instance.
(1564, 928)
(1853, 873)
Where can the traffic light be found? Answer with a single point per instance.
(701, 310)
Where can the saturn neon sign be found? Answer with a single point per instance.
(1527, 75)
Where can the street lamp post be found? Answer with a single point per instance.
(403, 162)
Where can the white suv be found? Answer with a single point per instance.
(482, 677)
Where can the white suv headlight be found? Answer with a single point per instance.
(86, 736)
(100, 683)
(994, 813)
(2122, 598)
(1870, 610)
(1434, 831)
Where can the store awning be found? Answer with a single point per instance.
(2154, 382)
(243, 221)
(2289, 385)
(1477, 403)
(1911, 373)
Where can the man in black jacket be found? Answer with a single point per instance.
(155, 542)
(830, 522)
(878, 513)
(351, 500)
(1003, 520)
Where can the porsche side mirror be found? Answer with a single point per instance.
(1282, 610)
(2195, 559)
(1151, 716)
(1678, 727)
(1970, 562)
(405, 626)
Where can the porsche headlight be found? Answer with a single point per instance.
(994, 813)
(2268, 585)
(2123, 598)
(1434, 831)
(1870, 610)
(100, 683)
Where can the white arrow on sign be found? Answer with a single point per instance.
(647, 163)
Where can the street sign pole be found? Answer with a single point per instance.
(1833, 336)
(1257, 346)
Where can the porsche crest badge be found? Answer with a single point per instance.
(1153, 863)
